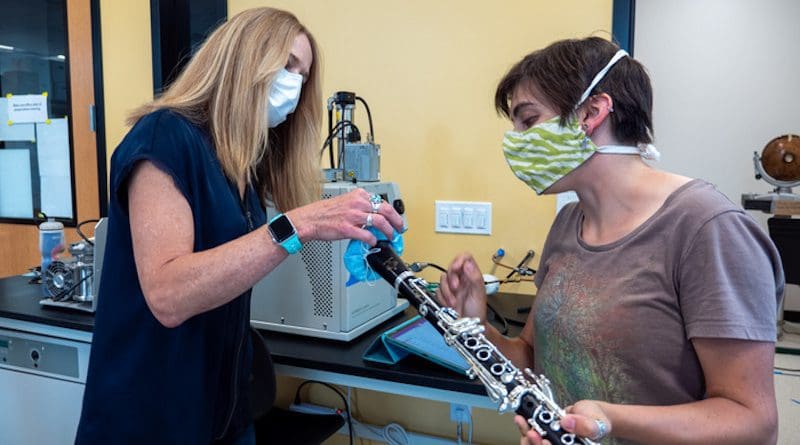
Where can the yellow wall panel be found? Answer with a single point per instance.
(127, 63)
(429, 70)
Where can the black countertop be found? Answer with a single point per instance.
(20, 300)
(340, 357)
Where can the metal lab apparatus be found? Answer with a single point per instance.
(307, 293)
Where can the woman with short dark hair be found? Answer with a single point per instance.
(655, 315)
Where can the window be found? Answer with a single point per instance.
(35, 151)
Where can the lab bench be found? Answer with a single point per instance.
(42, 389)
(45, 395)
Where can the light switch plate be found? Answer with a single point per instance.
(468, 217)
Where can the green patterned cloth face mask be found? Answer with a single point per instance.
(548, 151)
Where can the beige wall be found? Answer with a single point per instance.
(127, 63)
(428, 70)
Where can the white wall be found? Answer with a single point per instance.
(726, 79)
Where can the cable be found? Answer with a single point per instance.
(393, 433)
(779, 368)
(418, 266)
(522, 263)
(469, 435)
(330, 130)
(337, 391)
(342, 143)
(509, 280)
(369, 116)
(332, 134)
(460, 427)
(64, 294)
(78, 229)
(521, 270)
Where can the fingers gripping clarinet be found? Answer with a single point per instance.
(526, 394)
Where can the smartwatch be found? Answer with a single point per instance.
(283, 233)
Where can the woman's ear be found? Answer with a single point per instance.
(595, 111)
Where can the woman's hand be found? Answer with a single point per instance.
(345, 217)
(583, 419)
(462, 288)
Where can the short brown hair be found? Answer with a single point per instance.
(563, 70)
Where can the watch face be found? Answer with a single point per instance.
(281, 228)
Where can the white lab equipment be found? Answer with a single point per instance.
(307, 293)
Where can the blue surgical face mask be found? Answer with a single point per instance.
(355, 257)
(283, 96)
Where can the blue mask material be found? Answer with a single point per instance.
(355, 257)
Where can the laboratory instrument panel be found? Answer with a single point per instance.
(358, 161)
(307, 293)
(42, 379)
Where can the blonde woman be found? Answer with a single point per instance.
(188, 235)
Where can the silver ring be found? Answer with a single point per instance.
(369, 220)
(602, 429)
(375, 201)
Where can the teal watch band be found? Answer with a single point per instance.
(292, 244)
(284, 234)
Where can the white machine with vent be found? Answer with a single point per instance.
(307, 293)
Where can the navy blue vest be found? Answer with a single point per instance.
(148, 384)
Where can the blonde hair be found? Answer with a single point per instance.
(225, 86)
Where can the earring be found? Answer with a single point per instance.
(611, 109)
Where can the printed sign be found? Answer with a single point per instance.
(27, 108)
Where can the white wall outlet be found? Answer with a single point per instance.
(460, 413)
(468, 217)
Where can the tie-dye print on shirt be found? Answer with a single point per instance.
(615, 322)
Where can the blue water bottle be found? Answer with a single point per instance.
(51, 242)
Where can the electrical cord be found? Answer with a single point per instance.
(460, 430)
(469, 435)
(418, 266)
(369, 116)
(509, 280)
(330, 130)
(331, 134)
(520, 269)
(393, 433)
(78, 229)
(337, 391)
(64, 294)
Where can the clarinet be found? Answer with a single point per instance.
(524, 392)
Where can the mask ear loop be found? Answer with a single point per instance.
(370, 273)
(599, 76)
(650, 152)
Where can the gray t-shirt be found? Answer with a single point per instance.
(614, 322)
